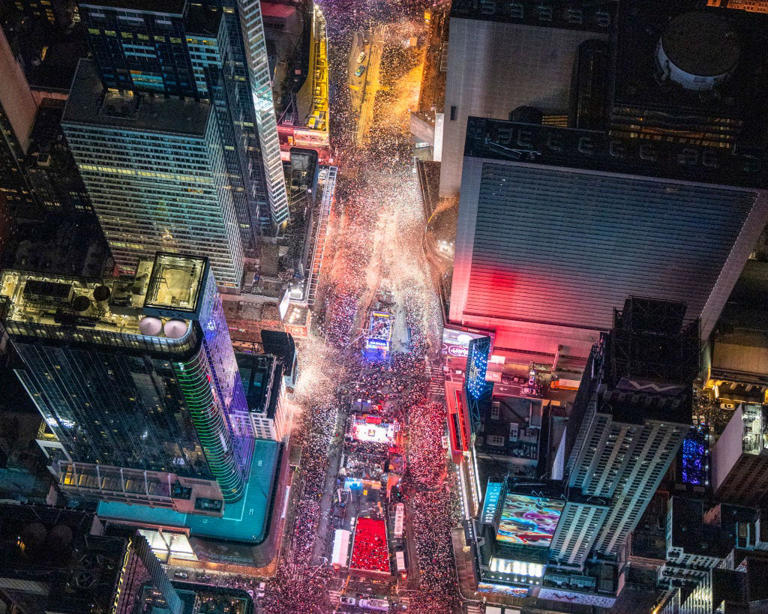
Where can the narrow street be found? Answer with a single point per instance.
(374, 251)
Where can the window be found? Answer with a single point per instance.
(495, 440)
(453, 113)
(495, 407)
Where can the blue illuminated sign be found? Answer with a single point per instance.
(353, 484)
(477, 366)
(695, 456)
(490, 502)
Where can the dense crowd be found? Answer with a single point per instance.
(370, 551)
(377, 229)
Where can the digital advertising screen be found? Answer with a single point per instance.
(529, 521)
(505, 589)
(374, 430)
(477, 365)
(491, 502)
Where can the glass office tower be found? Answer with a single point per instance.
(136, 380)
(138, 49)
(263, 104)
(154, 168)
(196, 50)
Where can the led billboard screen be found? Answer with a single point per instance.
(529, 521)
(477, 365)
(514, 591)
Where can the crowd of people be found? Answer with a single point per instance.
(370, 552)
(375, 232)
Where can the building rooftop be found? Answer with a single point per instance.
(587, 16)
(279, 11)
(52, 547)
(176, 282)
(701, 42)
(174, 7)
(36, 304)
(594, 150)
(510, 427)
(55, 71)
(90, 104)
(261, 375)
(202, 21)
(246, 521)
(692, 534)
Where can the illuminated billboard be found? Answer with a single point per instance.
(529, 521)
(514, 591)
(567, 596)
(490, 502)
(477, 365)
(372, 429)
(456, 342)
(379, 330)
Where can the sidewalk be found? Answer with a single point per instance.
(319, 549)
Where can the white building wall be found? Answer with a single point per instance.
(495, 67)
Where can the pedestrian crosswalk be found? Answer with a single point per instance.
(436, 379)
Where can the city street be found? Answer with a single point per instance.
(374, 261)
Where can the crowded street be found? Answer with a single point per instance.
(371, 427)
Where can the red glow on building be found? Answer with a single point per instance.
(369, 551)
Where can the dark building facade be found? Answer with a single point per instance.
(17, 116)
(57, 560)
(50, 165)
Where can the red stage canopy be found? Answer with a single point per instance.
(370, 552)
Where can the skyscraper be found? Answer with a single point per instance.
(140, 46)
(631, 414)
(195, 51)
(154, 168)
(137, 381)
(266, 122)
(557, 225)
(740, 457)
(658, 187)
(17, 117)
(503, 55)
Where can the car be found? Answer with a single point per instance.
(361, 57)
(181, 574)
(360, 70)
(348, 600)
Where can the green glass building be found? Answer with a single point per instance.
(137, 382)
